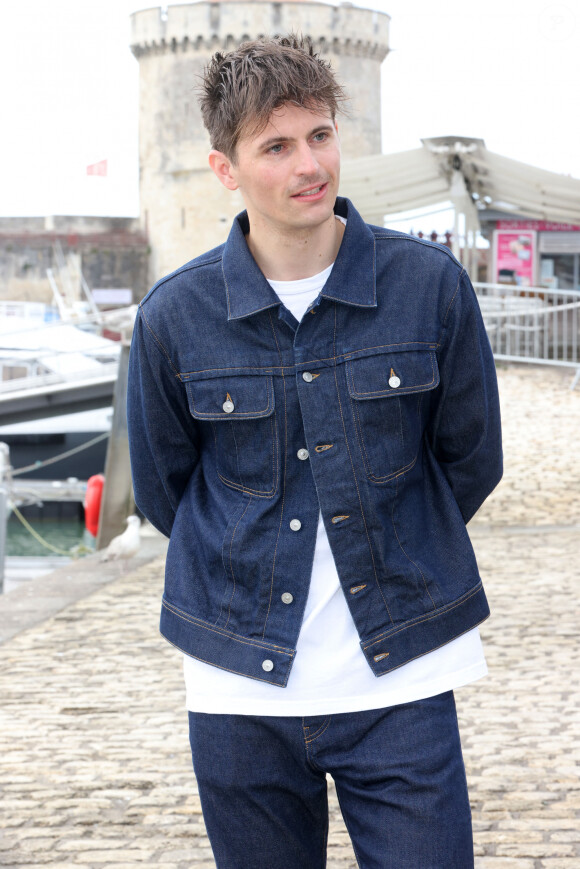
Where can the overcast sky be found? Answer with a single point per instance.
(506, 71)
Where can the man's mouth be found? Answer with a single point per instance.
(312, 191)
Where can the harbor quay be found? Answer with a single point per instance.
(95, 769)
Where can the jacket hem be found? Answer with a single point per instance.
(403, 643)
(244, 656)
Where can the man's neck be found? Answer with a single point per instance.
(295, 255)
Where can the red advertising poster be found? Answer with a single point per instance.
(514, 257)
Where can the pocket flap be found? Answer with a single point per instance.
(388, 375)
(223, 398)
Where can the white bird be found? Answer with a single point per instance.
(125, 545)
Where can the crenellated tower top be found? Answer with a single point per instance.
(213, 25)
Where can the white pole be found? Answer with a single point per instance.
(455, 245)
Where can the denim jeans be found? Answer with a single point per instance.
(399, 778)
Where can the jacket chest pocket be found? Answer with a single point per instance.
(240, 411)
(386, 393)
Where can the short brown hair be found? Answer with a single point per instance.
(242, 88)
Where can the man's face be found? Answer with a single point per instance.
(288, 173)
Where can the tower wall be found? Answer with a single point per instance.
(184, 209)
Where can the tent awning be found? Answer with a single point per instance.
(391, 183)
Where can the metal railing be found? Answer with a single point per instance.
(532, 324)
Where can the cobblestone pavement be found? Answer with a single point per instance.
(93, 734)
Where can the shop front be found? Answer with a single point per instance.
(530, 253)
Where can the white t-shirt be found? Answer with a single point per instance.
(330, 674)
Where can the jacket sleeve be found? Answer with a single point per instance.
(465, 429)
(163, 441)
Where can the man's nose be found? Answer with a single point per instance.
(306, 162)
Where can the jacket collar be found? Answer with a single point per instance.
(352, 280)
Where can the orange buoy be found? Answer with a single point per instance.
(92, 503)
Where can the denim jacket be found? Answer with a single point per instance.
(379, 409)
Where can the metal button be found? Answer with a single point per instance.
(267, 665)
(228, 406)
(295, 524)
(302, 454)
(394, 381)
(307, 376)
(287, 597)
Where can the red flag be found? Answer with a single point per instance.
(99, 168)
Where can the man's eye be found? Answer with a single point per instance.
(275, 149)
(320, 137)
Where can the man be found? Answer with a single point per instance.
(313, 420)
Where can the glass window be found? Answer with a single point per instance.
(557, 271)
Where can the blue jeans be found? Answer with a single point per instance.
(399, 778)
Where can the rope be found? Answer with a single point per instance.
(61, 456)
(73, 553)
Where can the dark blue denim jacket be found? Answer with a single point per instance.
(379, 408)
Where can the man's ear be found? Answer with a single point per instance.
(223, 168)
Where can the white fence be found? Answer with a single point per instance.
(532, 324)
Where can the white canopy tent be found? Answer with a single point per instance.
(462, 171)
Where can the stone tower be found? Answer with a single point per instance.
(184, 209)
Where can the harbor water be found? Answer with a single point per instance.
(62, 534)
(28, 558)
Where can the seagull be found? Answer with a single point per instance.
(125, 545)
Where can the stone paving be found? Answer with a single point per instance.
(93, 733)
